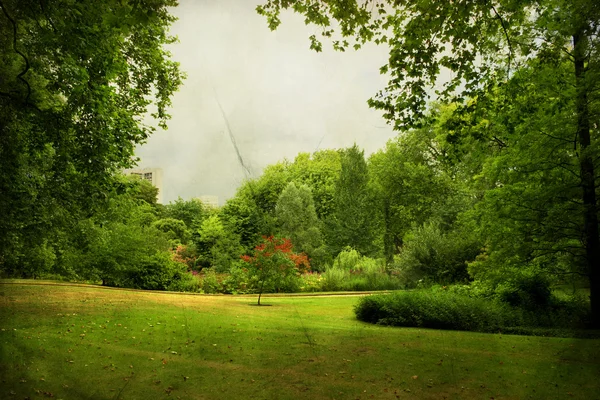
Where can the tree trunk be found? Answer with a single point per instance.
(261, 290)
(591, 237)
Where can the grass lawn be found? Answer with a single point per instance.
(92, 343)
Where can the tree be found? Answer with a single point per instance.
(76, 79)
(144, 190)
(352, 221)
(121, 246)
(191, 212)
(273, 260)
(531, 214)
(319, 171)
(297, 220)
(416, 181)
(483, 43)
(218, 246)
(174, 228)
(244, 218)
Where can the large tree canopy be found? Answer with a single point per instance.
(479, 42)
(483, 44)
(76, 80)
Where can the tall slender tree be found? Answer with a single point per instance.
(351, 223)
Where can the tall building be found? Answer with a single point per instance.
(152, 175)
(209, 201)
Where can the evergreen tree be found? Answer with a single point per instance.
(351, 223)
(297, 220)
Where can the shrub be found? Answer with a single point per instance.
(185, 254)
(530, 291)
(188, 282)
(333, 279)
(155, 273)
(238, 281)
(442, 309)
(432, 255)
(347, 259)
(210, 283)
(174, 228)
(311, 282)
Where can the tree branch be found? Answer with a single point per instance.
(20, 76)
(510, 50)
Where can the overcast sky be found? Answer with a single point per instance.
(280, 98)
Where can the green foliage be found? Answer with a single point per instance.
(174, 228)
(447, 308)
(297, 219)
(415, 183)
(217, 246)
(244, 218)
(187, 282)
(211, 283)
(38, 260)
(352, 272)
(191, 212)
(142, 189)
(529, 291)
(334, 279)
(431, 255)
(319, 171)
(76, 78)
(238, 281)
(274, 264)
(158, 272)
(524, 86)
(439, 310)
(347, 259)
(351, 223)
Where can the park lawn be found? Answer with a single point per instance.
(88, 342)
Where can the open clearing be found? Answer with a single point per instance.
(83, 342)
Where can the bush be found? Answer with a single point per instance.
(155, 273)
(439, 308)
(334, 279)
(211, 283)
(436, 310)
(347, 259)
(432, 255)
(188, 282)
(311, 282)
(530, 291)
(238, 281)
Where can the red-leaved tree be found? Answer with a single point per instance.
(274, 259)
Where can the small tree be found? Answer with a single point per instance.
(273, 260)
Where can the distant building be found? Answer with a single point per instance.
(209, 201)
(152, 175)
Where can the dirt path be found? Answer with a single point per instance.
(87, 285)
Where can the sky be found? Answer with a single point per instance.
(279, 97)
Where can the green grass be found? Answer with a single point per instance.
(94, 343)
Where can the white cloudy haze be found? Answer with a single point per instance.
(280, 98)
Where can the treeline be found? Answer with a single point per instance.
(468, 197)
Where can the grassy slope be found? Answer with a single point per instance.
(77, 342)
